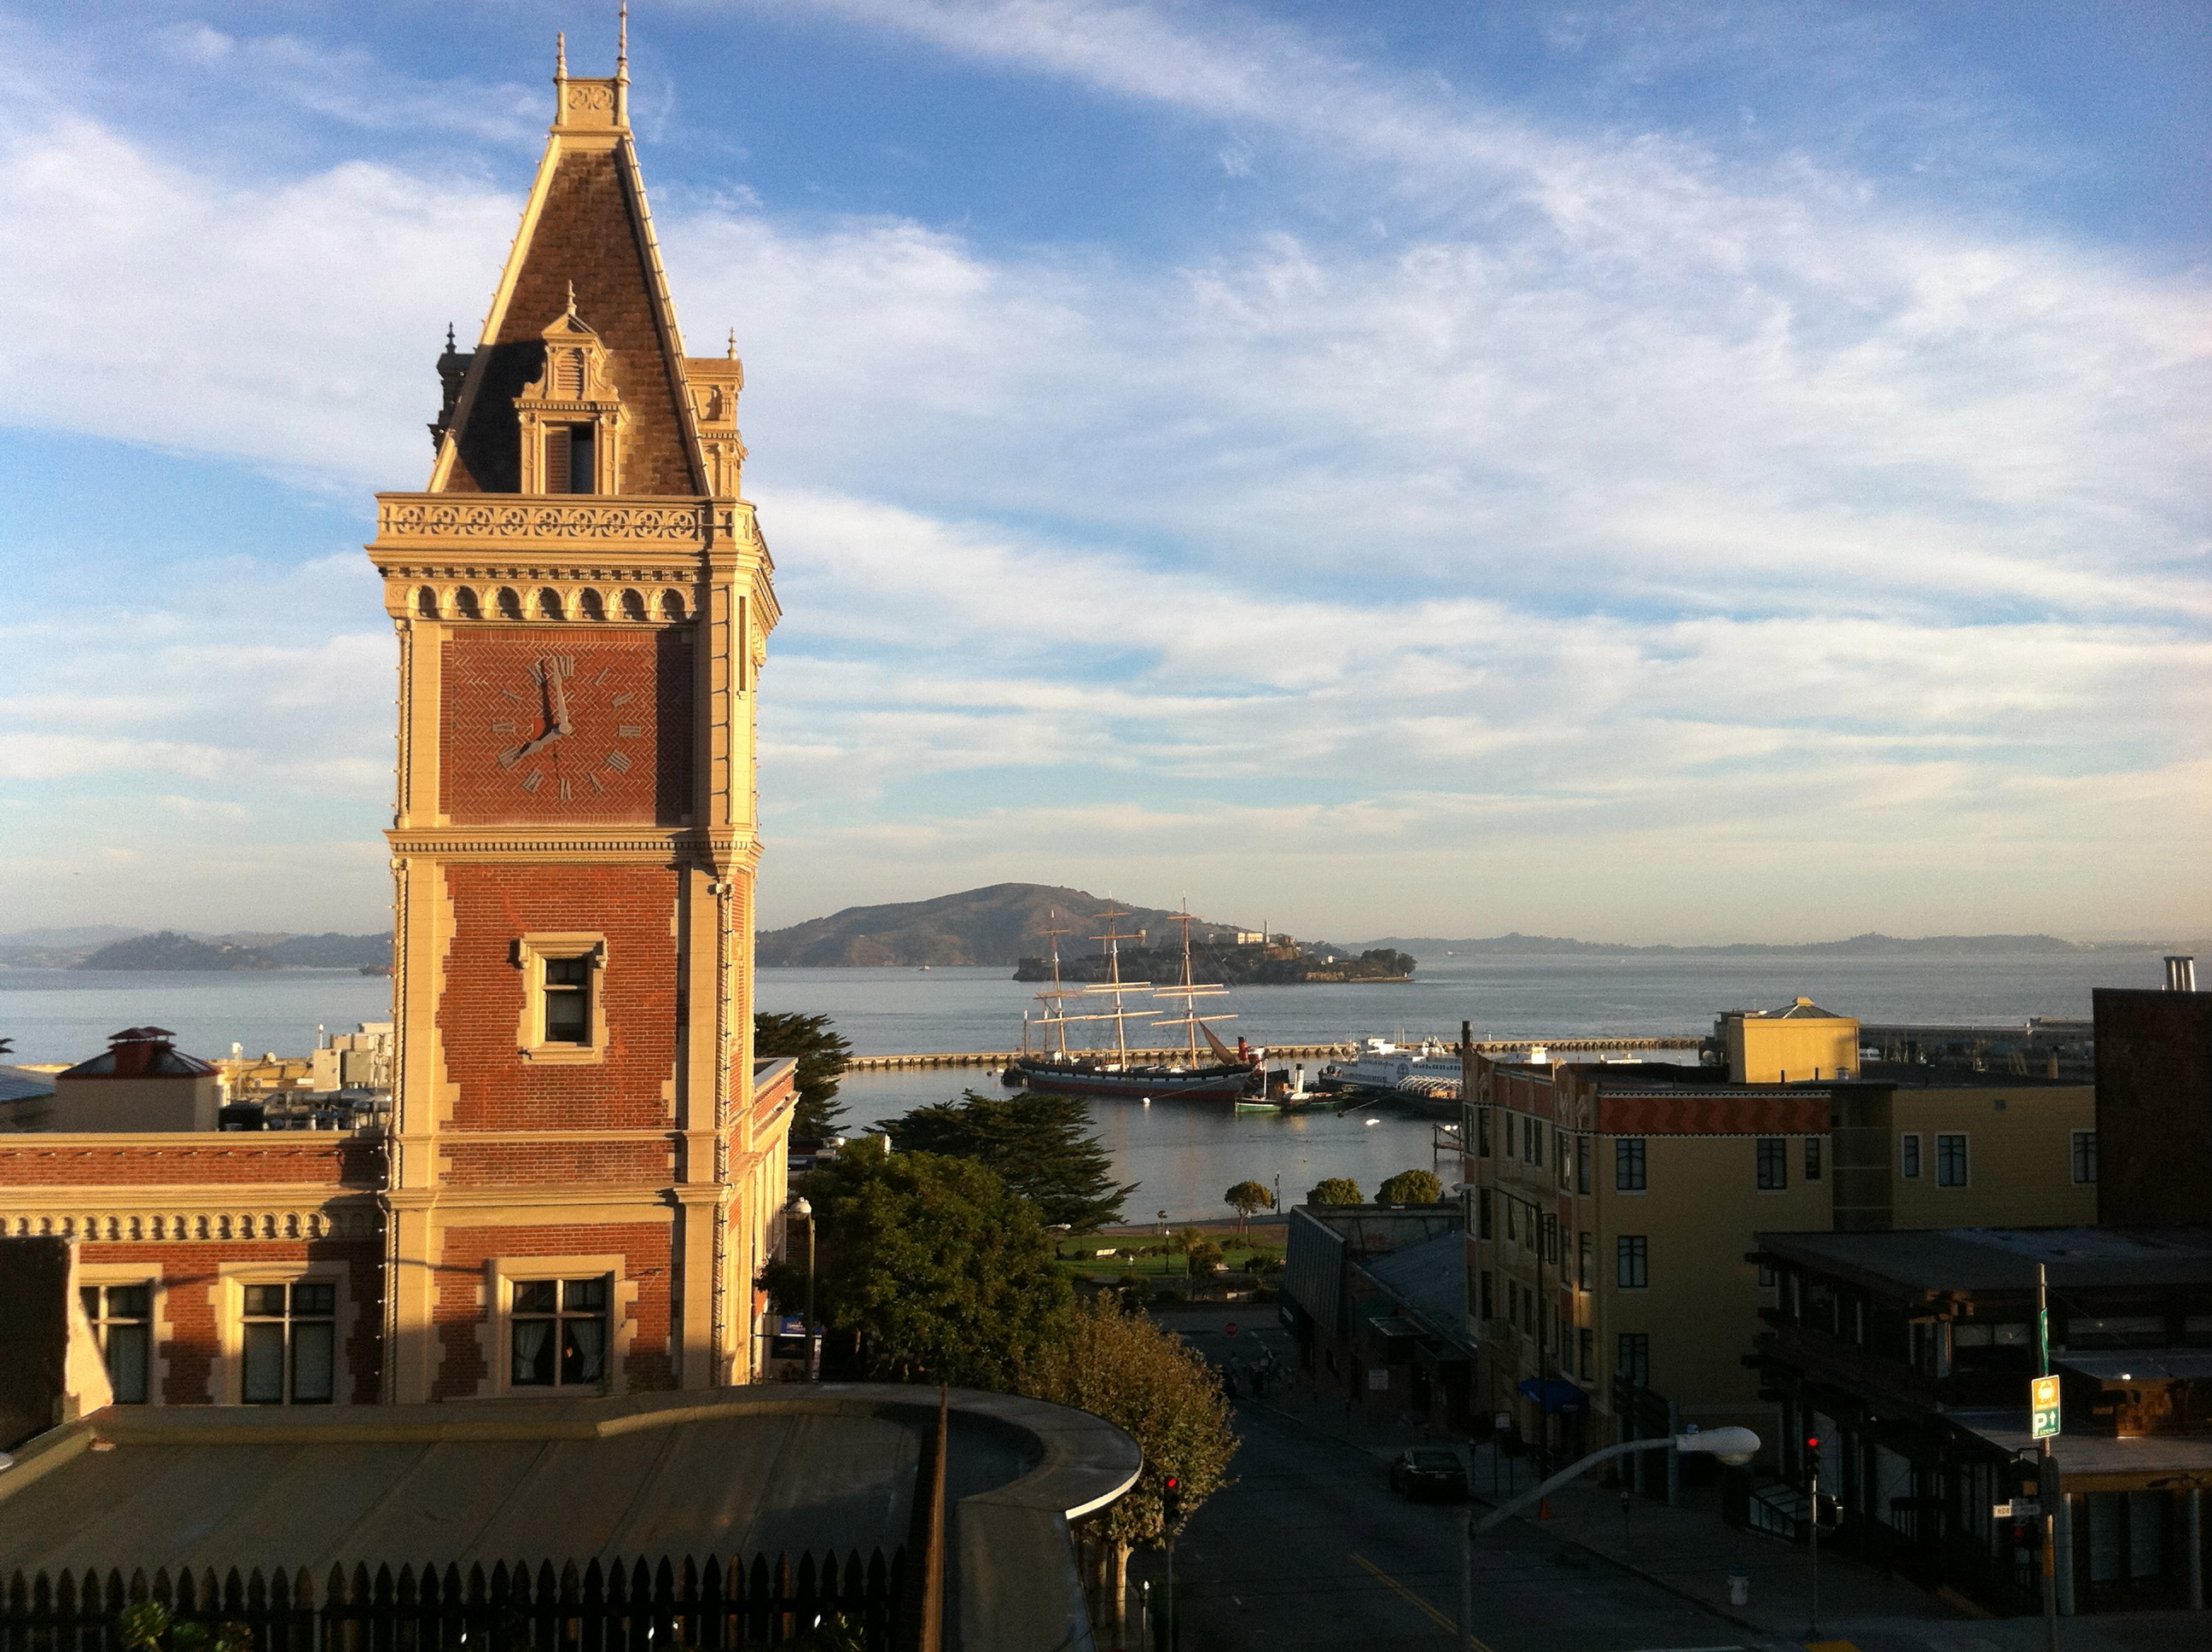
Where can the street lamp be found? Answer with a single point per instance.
(805, 1211)
(1733, 1446)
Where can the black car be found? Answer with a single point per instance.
(1430, 1474)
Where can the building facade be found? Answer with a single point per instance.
(575, 1190)
(1611, 1208)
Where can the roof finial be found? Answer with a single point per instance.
(734, 344)
(622, 38)
(449, 338)
(561, 56)
(572, 298)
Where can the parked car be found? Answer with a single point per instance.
(1427, 1473)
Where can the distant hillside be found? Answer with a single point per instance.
(331, 951)
(170, 951)
(994, 926)
(1869, 945)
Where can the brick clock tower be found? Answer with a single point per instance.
(584, 1166)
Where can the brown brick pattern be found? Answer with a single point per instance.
(628, 755)
(480, 1011)
(461, 1311)
(328, 1160)
(588, 234)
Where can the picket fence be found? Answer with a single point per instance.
(711, 1606)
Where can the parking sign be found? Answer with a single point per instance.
(2043, 1405)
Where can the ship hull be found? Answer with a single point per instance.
(1218, 1083)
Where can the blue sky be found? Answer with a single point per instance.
(1655, 472)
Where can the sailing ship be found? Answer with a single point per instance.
(1214, 1073)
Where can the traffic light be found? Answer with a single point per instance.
(1170, 1501)
(1813, 1458)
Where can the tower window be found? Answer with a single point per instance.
(567, 1000)
(568, 459)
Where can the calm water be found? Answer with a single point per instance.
(1184, 1157)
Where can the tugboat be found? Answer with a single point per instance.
(1217, 1074)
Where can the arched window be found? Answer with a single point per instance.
(510, 604)
(671, 604)
(549, 604)
(633, 605)
(426, 603)
(464, 604)
(589, 607)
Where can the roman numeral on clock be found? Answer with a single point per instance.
(619, 763)
(627, 731)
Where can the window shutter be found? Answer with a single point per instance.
(557, 459)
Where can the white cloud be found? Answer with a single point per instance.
(1628, 513)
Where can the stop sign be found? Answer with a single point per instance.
(1229, 1330)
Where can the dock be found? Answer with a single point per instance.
(1337, 1051)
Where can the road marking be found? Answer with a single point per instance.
(1415, 1600)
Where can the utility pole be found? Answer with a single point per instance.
(1812, 1528)
(2042, 1413)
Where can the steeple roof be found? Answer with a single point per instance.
(585, 227)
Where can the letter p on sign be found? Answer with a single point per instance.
(2043, 1405)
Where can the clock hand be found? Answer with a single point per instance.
(560, 696)
(509, 759)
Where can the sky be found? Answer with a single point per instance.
(1642, 470)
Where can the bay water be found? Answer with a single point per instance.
(1182, 1156)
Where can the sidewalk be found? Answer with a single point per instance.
(1689, 1551)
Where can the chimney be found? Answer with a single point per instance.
(2180, 974)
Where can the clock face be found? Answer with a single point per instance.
(560, 723)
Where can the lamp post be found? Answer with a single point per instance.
(805, 1211)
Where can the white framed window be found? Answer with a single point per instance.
(1631, 1261)
(1951, 1158)
(287, 1342)
(560, 1324)
(564, 1014)
(121, 1316)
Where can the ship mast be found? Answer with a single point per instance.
(1190, 991)
(1055, 997)
(1114, 985)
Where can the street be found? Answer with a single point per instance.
(1310, 1548)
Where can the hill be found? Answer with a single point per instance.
(331, 951)
(1869, 945)
(170, 951)
(998, 924)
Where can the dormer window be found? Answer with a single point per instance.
(570, 417)
(568, 458)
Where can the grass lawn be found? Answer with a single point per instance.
(1078, 1257)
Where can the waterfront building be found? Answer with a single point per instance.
(1908, 1356)
(583, 1164)
(1612, 1207)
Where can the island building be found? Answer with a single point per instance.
(581, 1172)
(1611, 1208)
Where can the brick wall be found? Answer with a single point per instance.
(189, 1304)
(302, 1158)
(480, 1011)
(628, 755)
(461, 1311)
(477, 1164)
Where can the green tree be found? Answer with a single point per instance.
(1038, 1144)
(1336, 1190)
(1204, 1260)
(1411, 1187)
(940, 1271)
(1247, 1196)
(821, 1053)
(1123, 1368)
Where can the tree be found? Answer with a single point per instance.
(1203, 1259)
(1036, 1144)
(1411, 1187)
(821, 1053)
(939, 1270)
(1247, 1196)
(1123, 1368)
(1336, 1190)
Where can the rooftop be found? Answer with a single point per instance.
(1427, 1280)
(2003, 1259)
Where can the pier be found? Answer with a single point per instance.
(1344, 1052)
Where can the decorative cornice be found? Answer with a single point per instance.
(211, 1213)
(513, 523)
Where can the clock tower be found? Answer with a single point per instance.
(584, 1166)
